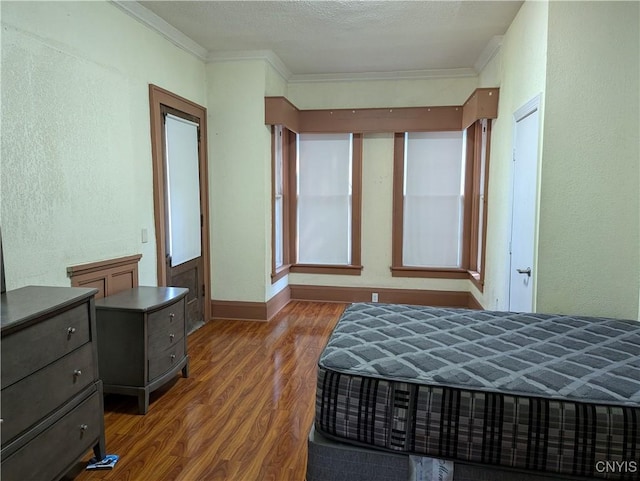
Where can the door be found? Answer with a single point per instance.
(183, 217)
(523, 223)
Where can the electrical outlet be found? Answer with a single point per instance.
(374, 297)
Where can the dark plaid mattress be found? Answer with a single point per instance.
(550, 393)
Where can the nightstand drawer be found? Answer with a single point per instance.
(164, 361)
(167, 319)
(41, 458)
(41, 393)
(47, 342)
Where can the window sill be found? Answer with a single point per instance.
(326, 269)
(477, 280)
(280, 273)
(429, 272)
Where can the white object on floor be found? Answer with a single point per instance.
(422, 468)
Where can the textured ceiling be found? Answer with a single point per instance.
(337, 37)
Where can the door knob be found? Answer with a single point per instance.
(526, 271)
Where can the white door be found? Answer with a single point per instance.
(523, 224)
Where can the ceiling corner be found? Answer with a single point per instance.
(491, 50)
(153, 21)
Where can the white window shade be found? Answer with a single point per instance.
(183, 190)
(324, 199)
(433, 199)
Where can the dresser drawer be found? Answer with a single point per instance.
(57, 448)
(46, 341)
(164, 361)
(29, 400)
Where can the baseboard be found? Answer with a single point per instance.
(391, 296)
(251, 311)
(264, 311)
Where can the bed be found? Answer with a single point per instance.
(552, 395)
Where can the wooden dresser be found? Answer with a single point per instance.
(52, 407)
(142, 340)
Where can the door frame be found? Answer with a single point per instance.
(535, 104)
(157, 98)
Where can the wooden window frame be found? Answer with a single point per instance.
(355, 267)
(471, 213)
(281, 271)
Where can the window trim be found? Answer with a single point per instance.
(281, 271)
(470, 231)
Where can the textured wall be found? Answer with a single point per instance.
(240, 180)
(520, 71)
(589, 223)
(76, 154)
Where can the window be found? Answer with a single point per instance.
(316, 203)
(328, 195)
(439, 214)
(433, 197)
(281, 139)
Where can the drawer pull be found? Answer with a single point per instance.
(70, 331)
(171, 316)
(77, 373)
(171, 336)
(83, 427)
(173, 357)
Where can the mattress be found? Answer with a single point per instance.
(548, 393)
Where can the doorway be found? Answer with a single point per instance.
(179, 151)
(523, 207)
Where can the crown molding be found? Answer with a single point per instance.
(153, 21)
(397, 75)
(237, 55)
(493, 47)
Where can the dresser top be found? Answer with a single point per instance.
(142, 299)
(20, 306)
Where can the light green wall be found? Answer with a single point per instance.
(377, 170)
(76, 152)
(519, 70)
(239, 180)
(589, 223)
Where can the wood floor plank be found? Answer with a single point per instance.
(243, 414)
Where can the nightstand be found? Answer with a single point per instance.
(142, 340)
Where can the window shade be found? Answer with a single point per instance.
(433, 199)
(324, 199)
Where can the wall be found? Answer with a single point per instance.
(589, 222)
(240, 179)
(519, 69)
(377, 175)
(76, 151)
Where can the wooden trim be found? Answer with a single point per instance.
(278, 302)
(108, 276)
(485, 218)
(398, 200)
(426, 272)
(280, 273)
(356, 201)
(351, 270)
(251, 311)
(279, 111)
(385, 295)
(404, 119)
(473, 302)
(292, 203)
(159, 97)
(481, 104)
(474, 144)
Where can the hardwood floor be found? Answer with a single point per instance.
(242, 415)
